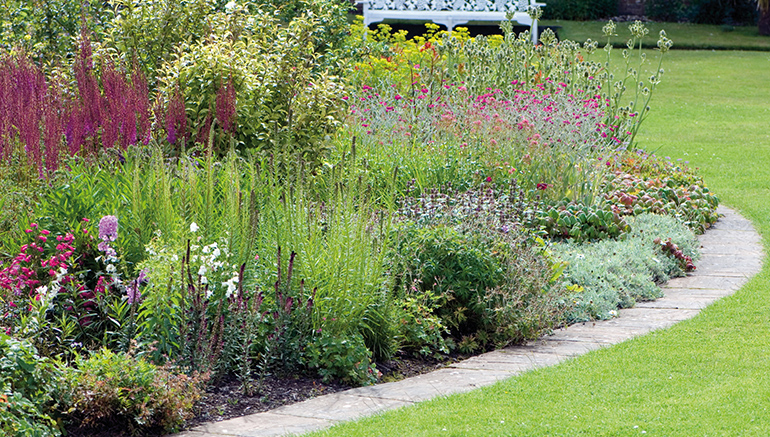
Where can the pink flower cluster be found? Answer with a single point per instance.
(30, 269)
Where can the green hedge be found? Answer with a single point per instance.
(580, 10)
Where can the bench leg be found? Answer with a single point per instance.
(534, 32)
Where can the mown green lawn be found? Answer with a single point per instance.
(709, 376)
(685, 35)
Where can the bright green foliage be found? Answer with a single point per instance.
(344, 358)
(419, 329)
(27, 383)
(128, 393)
(48, 29)
(147, 33)
(572, 220)
(458, 266)
(331, 30)
(285, 105)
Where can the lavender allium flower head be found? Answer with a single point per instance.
(108, 228)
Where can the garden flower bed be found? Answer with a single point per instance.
(269, 195)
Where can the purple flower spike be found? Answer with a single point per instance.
(132, 291)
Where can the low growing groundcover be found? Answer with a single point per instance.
(266, 196)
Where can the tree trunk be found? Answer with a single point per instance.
(764, 21)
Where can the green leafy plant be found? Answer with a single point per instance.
(27, 386)
(122, 391)
(419, 329)
(344, 358)
(283, 103)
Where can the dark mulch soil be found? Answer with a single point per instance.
(226, 400)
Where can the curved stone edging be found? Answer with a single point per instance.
(731, 254)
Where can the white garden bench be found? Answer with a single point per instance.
(451, 12)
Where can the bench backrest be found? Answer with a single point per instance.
(452, 5)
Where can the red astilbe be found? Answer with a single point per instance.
(118, 114)
(226, 114)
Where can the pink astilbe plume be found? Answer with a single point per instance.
(141, 104)
(23, 100)
(114, 121)
(176, 117)
(53, 128)
(86, 113)
(226, 105)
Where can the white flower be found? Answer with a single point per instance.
(230, 285)
(202, 271)
(110, 268)
(194, 227)
(204, 280)
(215, 253)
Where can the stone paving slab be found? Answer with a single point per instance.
(597, 334)
(441, 382)
(729, 283)
(340, 406)
(688, 303)
(731, 253)
(510, 360)
(259, 425)
(736, 265)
